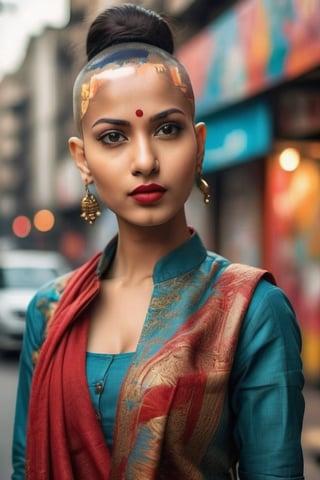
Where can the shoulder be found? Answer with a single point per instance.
(270, 333)
(267, 299)
(270, 305)
(236, 277)
(46, 298)
(40, 311)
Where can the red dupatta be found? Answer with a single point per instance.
(63, 443)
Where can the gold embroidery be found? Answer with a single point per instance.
(47, 307)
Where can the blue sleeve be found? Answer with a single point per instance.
(266, 385)
(33, 338)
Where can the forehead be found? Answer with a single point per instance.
(121, 63)
(127, 90)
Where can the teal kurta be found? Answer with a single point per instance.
(263, 409)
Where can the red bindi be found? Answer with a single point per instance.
(139, 112)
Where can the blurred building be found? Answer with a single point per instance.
(256, 74)
(255, 67)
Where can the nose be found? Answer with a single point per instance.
(145, 160)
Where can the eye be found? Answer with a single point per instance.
(169, 130)
(112, 137)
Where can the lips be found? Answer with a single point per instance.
(148, 194)
(150, 188)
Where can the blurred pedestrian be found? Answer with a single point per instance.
(157, 358)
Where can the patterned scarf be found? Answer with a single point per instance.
(61, 441)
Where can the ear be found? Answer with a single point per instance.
(76, 148)
(200, 129)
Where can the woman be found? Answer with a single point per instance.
(156, 359)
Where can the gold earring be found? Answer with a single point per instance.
(90, 207)
(204, 188)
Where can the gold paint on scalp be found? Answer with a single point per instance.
(85, 97)
(160, 67)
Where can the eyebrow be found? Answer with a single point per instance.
(166, 113)
(157, 116)
(114, 121)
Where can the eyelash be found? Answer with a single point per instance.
(105, 136)
(172, 125)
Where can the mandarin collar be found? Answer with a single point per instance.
(179, 261)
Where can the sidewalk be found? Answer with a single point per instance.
(311, 433)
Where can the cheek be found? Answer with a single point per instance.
(102, 166)
(103, 177)
(108, 190)
(187, 164)
(106, 179)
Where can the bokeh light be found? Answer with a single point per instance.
(21, 226)
(43, 220)
(289, 159)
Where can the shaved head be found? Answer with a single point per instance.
(124, 60)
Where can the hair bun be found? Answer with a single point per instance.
(128, 23)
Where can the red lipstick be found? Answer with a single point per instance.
(147, 194)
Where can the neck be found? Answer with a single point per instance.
(140, 248)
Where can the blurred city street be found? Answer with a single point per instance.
(8, 382)
(255, 70)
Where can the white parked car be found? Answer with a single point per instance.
(22, 272)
